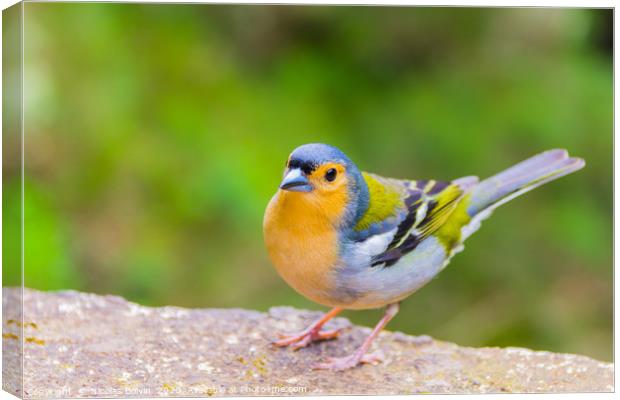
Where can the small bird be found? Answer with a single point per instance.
(353, 240)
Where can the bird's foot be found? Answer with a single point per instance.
(351, 361)
(306, 337)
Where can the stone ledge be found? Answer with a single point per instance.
(86, 345)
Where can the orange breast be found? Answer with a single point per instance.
(302, 244)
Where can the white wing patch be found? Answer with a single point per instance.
(362, 252)
(421, 213)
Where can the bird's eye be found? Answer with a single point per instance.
(330, 175)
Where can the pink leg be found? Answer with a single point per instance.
(312, 334)
(359, 355)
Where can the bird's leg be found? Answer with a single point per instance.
(312, 334)
(359, 356)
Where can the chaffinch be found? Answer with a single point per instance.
(355, 240)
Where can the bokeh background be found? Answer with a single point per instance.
(156, 135)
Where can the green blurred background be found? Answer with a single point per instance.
(156, 135)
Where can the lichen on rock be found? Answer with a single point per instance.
(86, 345)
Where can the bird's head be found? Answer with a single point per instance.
(321, 175)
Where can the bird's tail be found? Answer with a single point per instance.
(518, 179)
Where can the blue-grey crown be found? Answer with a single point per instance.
(319, 153)
(309, 156)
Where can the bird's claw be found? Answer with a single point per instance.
(351, 361)
(304, 338)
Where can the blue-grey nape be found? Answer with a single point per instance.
(309, 156)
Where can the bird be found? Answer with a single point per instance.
(354, 240)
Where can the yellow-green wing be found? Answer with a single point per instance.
(430, 209)
(386, 207)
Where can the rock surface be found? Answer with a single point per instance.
(85, 345)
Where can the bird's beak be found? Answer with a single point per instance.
(295, 181)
